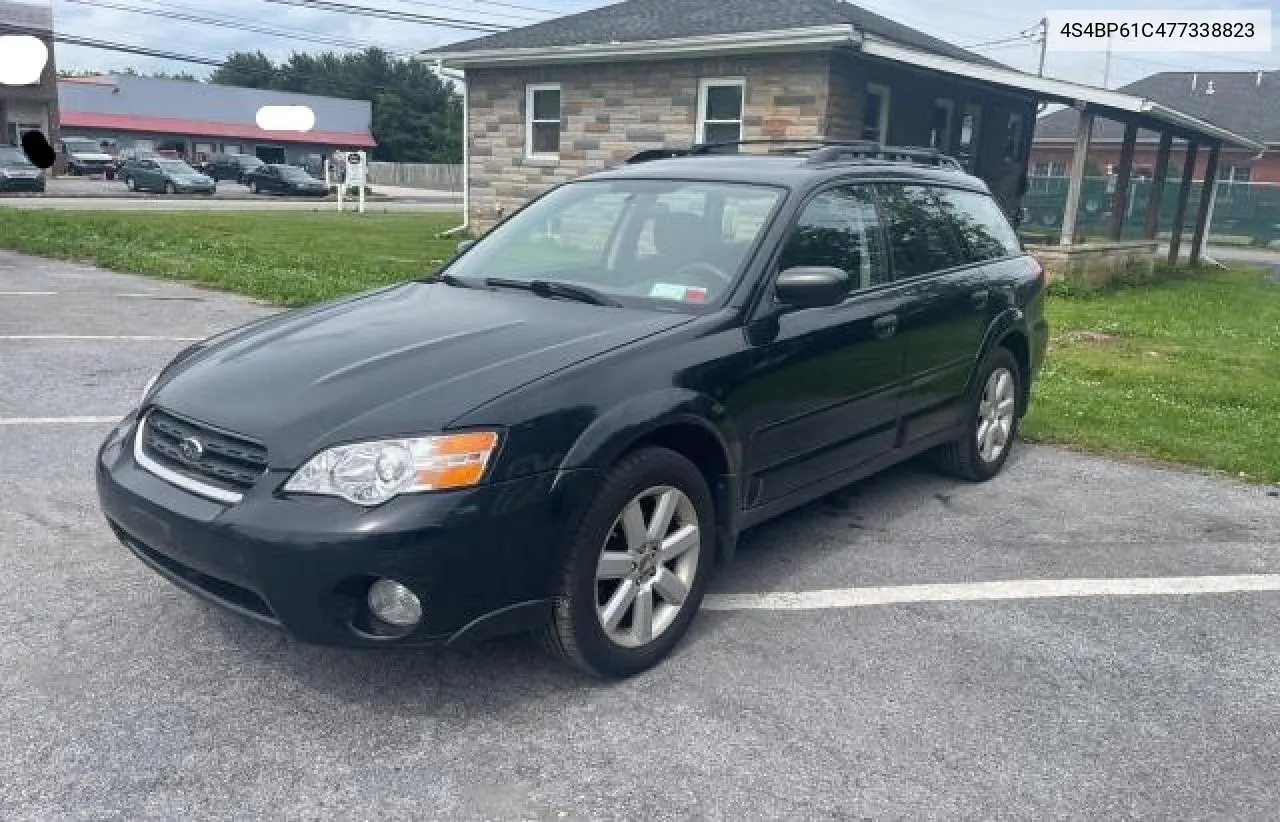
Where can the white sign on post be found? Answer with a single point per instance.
(355, 163)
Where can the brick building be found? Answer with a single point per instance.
(559, 99)
(1246, 103)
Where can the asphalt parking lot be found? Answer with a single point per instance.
(124, 698)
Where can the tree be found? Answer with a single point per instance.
(417, 117)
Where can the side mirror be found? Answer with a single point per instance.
(464, 245)
(812, 286)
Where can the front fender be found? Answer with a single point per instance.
(614, 432)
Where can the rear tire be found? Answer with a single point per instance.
(636, 567)
(991, 421)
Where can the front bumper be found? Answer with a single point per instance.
(482, 561)
(195, 188)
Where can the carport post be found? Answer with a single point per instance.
(1075, 184)
(1184, 194)
(1120, 202)
(1207, 191)
(1152, 227)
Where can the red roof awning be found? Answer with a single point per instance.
(203, 128)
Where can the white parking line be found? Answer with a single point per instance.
(991, 591)
(100, 337)
(28, 293)
(60, 420)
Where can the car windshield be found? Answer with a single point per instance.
(247, 162)
(13, 157)
(176, 166)
(83, 146)
(660, 243)
(294, 173)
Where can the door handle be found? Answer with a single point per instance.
(886, 326)
(980, 298)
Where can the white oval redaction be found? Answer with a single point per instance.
(286, 118)
(22, 59)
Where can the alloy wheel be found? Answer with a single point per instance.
(647, 566)
(996, 413)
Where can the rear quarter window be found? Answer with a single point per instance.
(980, 224)
(921, 234)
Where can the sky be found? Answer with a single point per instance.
(968, 23)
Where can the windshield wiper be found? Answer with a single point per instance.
(555, 288)
(450, 279)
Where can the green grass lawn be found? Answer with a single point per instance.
(1186, 371)
(290, 258)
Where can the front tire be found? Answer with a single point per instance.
(636, 568)
(991, 421)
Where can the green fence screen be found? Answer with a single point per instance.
(1243, 212)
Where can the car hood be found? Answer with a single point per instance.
(404, 360)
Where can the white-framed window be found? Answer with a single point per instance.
(16, 130)
(1234, 174)
(721, 101)
(940, 133)
(875, 114)
(542, 120)
(1049, 168)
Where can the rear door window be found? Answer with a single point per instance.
(980, 224)
(921, 235)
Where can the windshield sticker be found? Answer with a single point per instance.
(683, 293)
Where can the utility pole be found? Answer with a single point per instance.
(1106, 70)
(1044, 43)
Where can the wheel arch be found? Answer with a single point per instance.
(1008, 332)
(679, 420)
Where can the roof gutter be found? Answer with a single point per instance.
(799, 39)
(1060, 91)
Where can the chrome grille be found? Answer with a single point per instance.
(226, 461)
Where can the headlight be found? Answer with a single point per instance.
(370, 473)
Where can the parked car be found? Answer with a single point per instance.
(568, 426)
(166, 175)
(283, 179)
(231, 167)
(17, 173)
(84, 156)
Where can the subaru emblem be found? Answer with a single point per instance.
(191, 449)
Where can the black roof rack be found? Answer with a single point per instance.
(820, 151)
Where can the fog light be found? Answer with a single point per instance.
(394, 604)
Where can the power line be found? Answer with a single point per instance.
(232, 23)
(70, 39)
(492, 3)
(524, 14)
(391, 14)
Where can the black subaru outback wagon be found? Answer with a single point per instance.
(567, 428)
